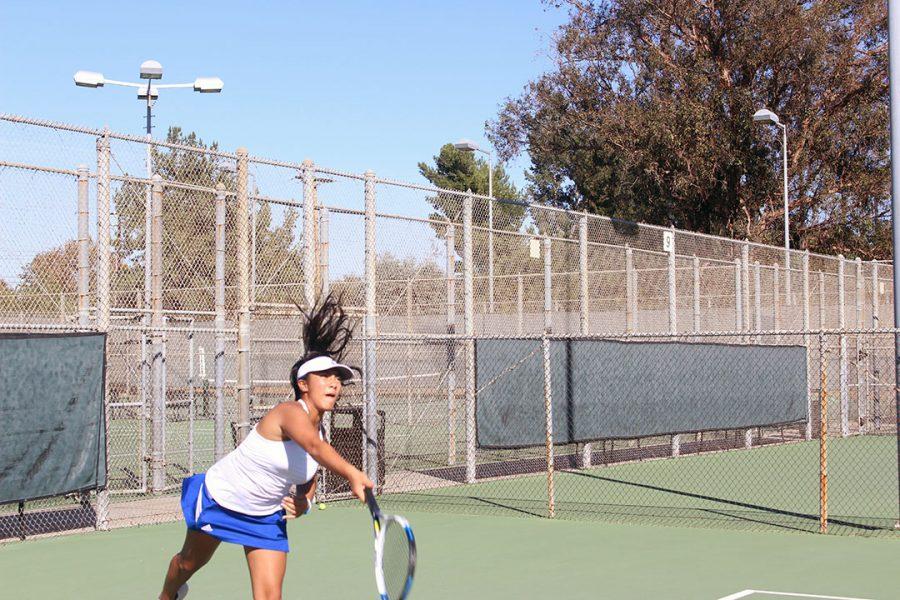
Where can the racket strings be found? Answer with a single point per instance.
(395, 560)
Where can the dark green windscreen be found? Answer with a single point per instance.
(51, 412)
(611, 390)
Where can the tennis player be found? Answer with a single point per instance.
(245, 498)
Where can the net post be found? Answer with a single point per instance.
(451, 344)
(158, 452)
(370, 407)
(548, 425)
(673, 317)
(842, 324)
(806, 342)
(630, 300)
(103, 300)
(219, 360)
(469, 326)
(84, 241)
(586, 449)
(823, 437)
(242, 232)
(696, 292)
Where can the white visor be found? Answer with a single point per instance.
(324, 363)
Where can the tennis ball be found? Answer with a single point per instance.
(322, 506)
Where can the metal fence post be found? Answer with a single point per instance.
(776, 296)
(104, 303)
(490, 256)
(243, 267)
(822, 314)
(309, 227)
(823, 436)
(520, 304)
(673, 319)
(84, 256)
(586, 449)
(745, 285)
(859, 353)
(324, 220)
(738, 302)
(548, 287)
(583, 274)
(806, 341)
(370, 406)
(630, 302)
(548, 424)
(451, 344)
(469, 326)
(874, 393)
(842, 324)
(158, 454)
(219, 360)
(672, 289)
(696, 303)
(757, 297)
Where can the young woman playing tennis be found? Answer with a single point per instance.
(244, 497)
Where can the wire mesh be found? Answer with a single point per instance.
(176, 399)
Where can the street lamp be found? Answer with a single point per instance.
(151, 71)
(470, 146)
(767, 117)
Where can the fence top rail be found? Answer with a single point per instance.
(666, 335)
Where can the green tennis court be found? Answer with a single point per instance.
(473, 557)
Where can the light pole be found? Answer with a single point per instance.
(769, 118)
(470, 146)
(150, 70)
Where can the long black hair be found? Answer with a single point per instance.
(326, 332)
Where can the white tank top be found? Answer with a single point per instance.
(254, 477)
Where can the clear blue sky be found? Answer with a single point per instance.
(352, 85)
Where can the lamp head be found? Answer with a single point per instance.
(89, 79)
(150, 69)
(766, 116)
(208, 85)
(466, 145)
(142, 93)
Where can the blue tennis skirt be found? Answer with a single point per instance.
(202, 513)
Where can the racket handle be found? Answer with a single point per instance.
(373, 505)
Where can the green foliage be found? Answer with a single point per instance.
(647, 117)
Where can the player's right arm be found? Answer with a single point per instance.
(295, 424)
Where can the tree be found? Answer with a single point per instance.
(189, 232)
(647, 117)
(49, 279)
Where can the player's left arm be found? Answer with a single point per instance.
(298, 504)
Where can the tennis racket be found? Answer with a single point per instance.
(395, 552)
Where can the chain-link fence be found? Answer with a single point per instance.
(197, 263)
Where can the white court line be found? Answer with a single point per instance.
(746, 593)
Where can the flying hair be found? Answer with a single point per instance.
(326, 332)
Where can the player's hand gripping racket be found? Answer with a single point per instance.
(395, 552)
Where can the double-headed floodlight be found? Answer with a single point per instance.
(767, 117)
(151, 71)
